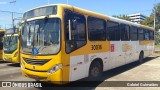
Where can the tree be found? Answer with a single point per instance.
(149, 21)
(124, 17)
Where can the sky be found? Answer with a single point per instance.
(108, 7)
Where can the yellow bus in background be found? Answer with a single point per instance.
(11, 47)
(2, 32)
(62, 43)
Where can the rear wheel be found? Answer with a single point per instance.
(95, 70)
(141, 57)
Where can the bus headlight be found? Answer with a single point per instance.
(15, 55)
(55, 68)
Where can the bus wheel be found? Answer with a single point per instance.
(95, 70)
(141, 57)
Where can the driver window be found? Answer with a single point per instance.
(75, 31)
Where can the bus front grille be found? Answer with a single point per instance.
(35, 61)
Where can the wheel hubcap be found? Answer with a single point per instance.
(95, 72)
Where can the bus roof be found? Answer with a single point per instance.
(91, 13)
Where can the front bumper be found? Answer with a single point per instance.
(55, 78)
(11, 58)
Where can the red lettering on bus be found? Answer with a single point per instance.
(112, 47)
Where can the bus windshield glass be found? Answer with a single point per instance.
(10, 43)
(41, 36)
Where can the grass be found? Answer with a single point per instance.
(157, 47)
(156, 54)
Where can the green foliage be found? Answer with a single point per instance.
(157, 47)
(149, 21)
(124, 17)
(157, 38)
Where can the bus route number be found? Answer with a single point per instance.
(96, 47)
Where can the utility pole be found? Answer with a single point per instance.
(14, 1)
(155, 15)
(13, 20)
(12, 16)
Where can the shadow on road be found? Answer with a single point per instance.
(91, 85)
(14, 64)
(2, 62)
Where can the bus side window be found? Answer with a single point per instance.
(75, 31)
(140, 34)
(113, 31)
(151, 35)
(133, 33)
(96, 29)
(146, 34)
(125, 29)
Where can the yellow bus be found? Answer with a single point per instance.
(2, 32)
(64, 43)
(11, 47)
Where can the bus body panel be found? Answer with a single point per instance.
(123, 52)
(148, 47)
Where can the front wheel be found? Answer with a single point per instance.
(95, 70)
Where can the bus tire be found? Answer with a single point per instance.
(95, 70)
(141, 57)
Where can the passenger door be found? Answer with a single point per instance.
(75, 37)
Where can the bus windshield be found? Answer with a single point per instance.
(41, 36)
(10, 43)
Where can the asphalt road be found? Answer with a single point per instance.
(147, 71)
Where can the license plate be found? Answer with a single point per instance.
(8, 59)
(34, 76)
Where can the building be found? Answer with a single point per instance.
(137, 17)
